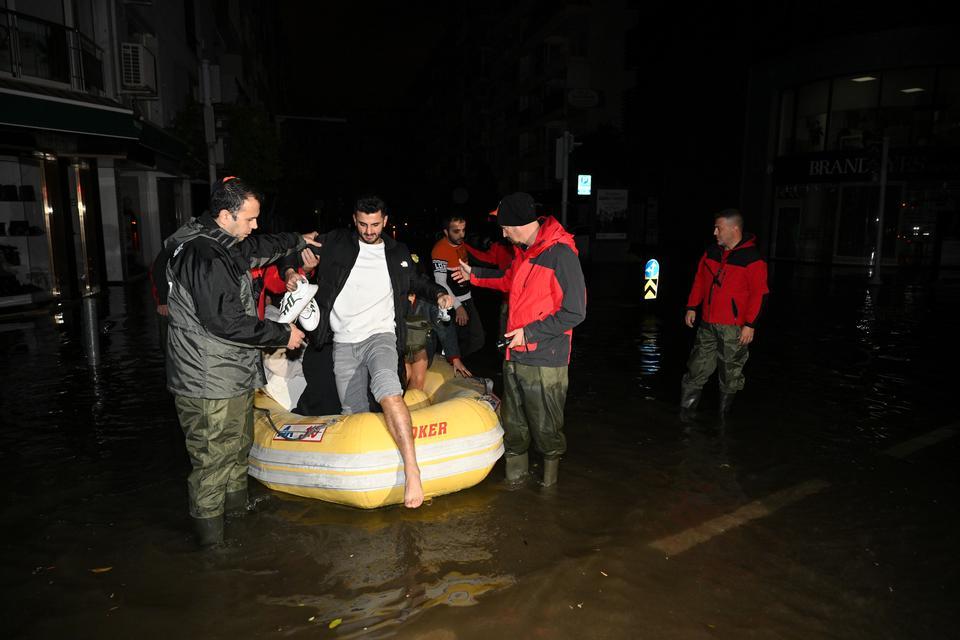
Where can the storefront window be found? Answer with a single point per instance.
(948, 201)
(857, 221)
(853, 115)
(913, 107)
(907, 87)
(906, 106)
(24, 250)
(811, 123)
(786, 121)
(946, 125)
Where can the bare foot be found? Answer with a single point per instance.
(413, 491)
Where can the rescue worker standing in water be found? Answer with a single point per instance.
(729, 289)
(213, 346)
(548, 298)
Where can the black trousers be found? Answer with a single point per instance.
(470, 337)
(320, 398)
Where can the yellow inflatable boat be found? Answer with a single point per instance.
(352, 460)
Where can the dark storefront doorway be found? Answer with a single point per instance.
(857, 215)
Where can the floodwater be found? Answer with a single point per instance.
(97, 544)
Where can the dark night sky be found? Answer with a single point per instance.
(343, 57)
(367, 61)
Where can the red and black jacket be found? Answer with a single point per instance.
(730, 284)
(548, 296)
(267, 280)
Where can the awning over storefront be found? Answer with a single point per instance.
(158, 149)
(56, 113)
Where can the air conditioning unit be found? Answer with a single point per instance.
(138, 68)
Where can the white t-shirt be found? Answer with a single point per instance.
(365, 304)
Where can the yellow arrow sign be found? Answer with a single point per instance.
(650, 289)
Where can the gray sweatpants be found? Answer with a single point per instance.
(372, 362)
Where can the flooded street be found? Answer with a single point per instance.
(825, 507)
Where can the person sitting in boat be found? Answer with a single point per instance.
(424, 329)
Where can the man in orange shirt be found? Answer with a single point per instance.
(446, 255)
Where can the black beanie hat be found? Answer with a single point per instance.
(516, 210)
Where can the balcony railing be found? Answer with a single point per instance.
(35, 49)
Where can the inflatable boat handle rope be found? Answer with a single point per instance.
(309, 433)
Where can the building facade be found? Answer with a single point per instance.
(103, 149)
(819, 120)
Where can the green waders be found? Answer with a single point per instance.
(533, 403)
(715, 342)
(219, 434)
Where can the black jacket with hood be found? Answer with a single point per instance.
(337, 258)
(214, 333)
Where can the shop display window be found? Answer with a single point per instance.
(946, 124)
(854, 121)
(811, 121)
(24, 242)
(914, 107)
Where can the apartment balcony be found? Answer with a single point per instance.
(50, 54)
(52, 83)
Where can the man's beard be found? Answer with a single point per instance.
(375, 240)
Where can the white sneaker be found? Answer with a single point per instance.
(310, 316)
(294, 302)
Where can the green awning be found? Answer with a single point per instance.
(159, 140)
(53, 113)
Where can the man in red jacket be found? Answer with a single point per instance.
(729, 287)
(548, 298)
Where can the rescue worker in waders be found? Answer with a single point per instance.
(548, 298)
(729, 289)
(213, 346)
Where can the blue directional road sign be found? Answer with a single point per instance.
(651, 272)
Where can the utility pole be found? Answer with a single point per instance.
(878, 251)
(565, 146)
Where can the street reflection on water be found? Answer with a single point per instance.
(95, 497)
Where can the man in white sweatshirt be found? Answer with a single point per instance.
(363, 281)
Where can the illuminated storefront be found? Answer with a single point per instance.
(818, 186)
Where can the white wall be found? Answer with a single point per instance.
(110, 219)
(150, 210)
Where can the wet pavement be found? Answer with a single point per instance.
(798, 518)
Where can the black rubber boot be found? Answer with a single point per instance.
(689, 401)
(209, 531)
(726, 404)
(517, 468)
(551, 469)
(236, 503)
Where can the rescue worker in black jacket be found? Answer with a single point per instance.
(213, 346)
(364, 278)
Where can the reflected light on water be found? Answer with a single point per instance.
(648, 345)
(381, 611)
